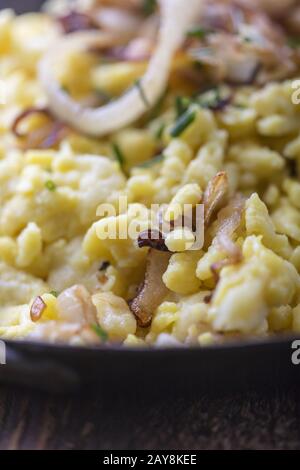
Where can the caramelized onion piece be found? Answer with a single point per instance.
(229, 220)
(53, 135)
(152, 239)
(292, 21)
(76, 21)
(215, 196)
(25, 114)
(46, 136)
(243, 43)
(37, 308)
(153, 290)
(208, 298)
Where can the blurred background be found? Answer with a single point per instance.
(21, 5)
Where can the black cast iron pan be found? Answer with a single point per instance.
(63, 368)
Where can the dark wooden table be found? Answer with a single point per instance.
(127, 420)
(114, 420)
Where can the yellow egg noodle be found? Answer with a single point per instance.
(59, 280)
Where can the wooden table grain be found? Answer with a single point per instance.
(115, 420)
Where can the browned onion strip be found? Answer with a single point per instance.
(229, 220)
(242, 44)
(76, 21)
(37, 308)
(25, 114)
(215, 269)
(152, 239)
(208, 298)
(153, 290)
(45, 137)
(57, 132)
(215, 196)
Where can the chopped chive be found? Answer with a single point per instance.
(149, 6)
(50, 185)
(54, 293)
(118, 154)
(154, 161)
(247, 39)
(143, 96)
(181, 105)
(182, 123)
(160, 131)
(198, 32)
(99, 332)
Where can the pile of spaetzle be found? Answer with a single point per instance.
(220, 134)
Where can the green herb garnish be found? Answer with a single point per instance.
(54, 293)
(199, 32)
(118, 154)
(143, 96)
(50, 185)
(183, 123)
(160, 130)
(181, 104)
(99, 332)
(154, 161)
